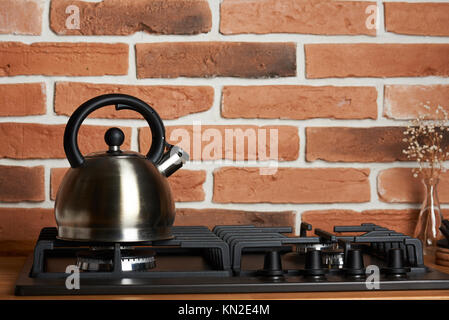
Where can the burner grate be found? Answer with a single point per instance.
(379, 239)
(185, 238)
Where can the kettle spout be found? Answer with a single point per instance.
(172, 161)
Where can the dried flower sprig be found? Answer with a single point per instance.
(424, 136)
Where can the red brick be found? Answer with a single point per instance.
(40, 141)
(21, 17)
(58, 59)
(209, 59)
(214, 217)
(399, 185)
(345, 144)
(21, 184)
(186, 185)
(376, 60)
(170, 102)
(293, 16)
(24, 224)
(291, 185)
(287, 148)
(402, 221)
(407, 101)
(22, 99)
(124, 17)
(20, 228)
(299, 102)
(428, 19)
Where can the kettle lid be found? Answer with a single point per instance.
(114, 138)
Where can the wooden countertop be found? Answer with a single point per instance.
(11, 266)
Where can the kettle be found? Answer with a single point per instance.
(116, 195)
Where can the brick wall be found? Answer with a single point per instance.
(335, 88)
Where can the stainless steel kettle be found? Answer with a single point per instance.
(117, 196)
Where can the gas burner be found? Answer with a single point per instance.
(111, 247)
(138, 260)
(101, 259)
(333, 257)
(306, 247)
(95, 260)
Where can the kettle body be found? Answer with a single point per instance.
(117, 196)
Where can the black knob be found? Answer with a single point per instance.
(272, 261)
(272, 266)
(354, 263)
(314, 264)
(114, 137)
(396, 265)
(395, 258)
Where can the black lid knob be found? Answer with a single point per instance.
(114, 137)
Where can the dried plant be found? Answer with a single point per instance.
(425, 136)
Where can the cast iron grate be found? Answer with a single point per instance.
(377, 240)
(199, 239)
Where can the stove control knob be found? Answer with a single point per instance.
(354, 266)
(396, 266)
(272, 266)
(314, 264)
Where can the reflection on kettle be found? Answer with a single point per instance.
(116, 195)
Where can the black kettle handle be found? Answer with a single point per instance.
(121, 101)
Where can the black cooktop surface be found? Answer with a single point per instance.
(232, 259)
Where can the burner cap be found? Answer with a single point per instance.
(138, 260)
(305, 247)
(333, 257)
(322, 246)
(102, 259)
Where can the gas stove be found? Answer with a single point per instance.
(231, 259)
